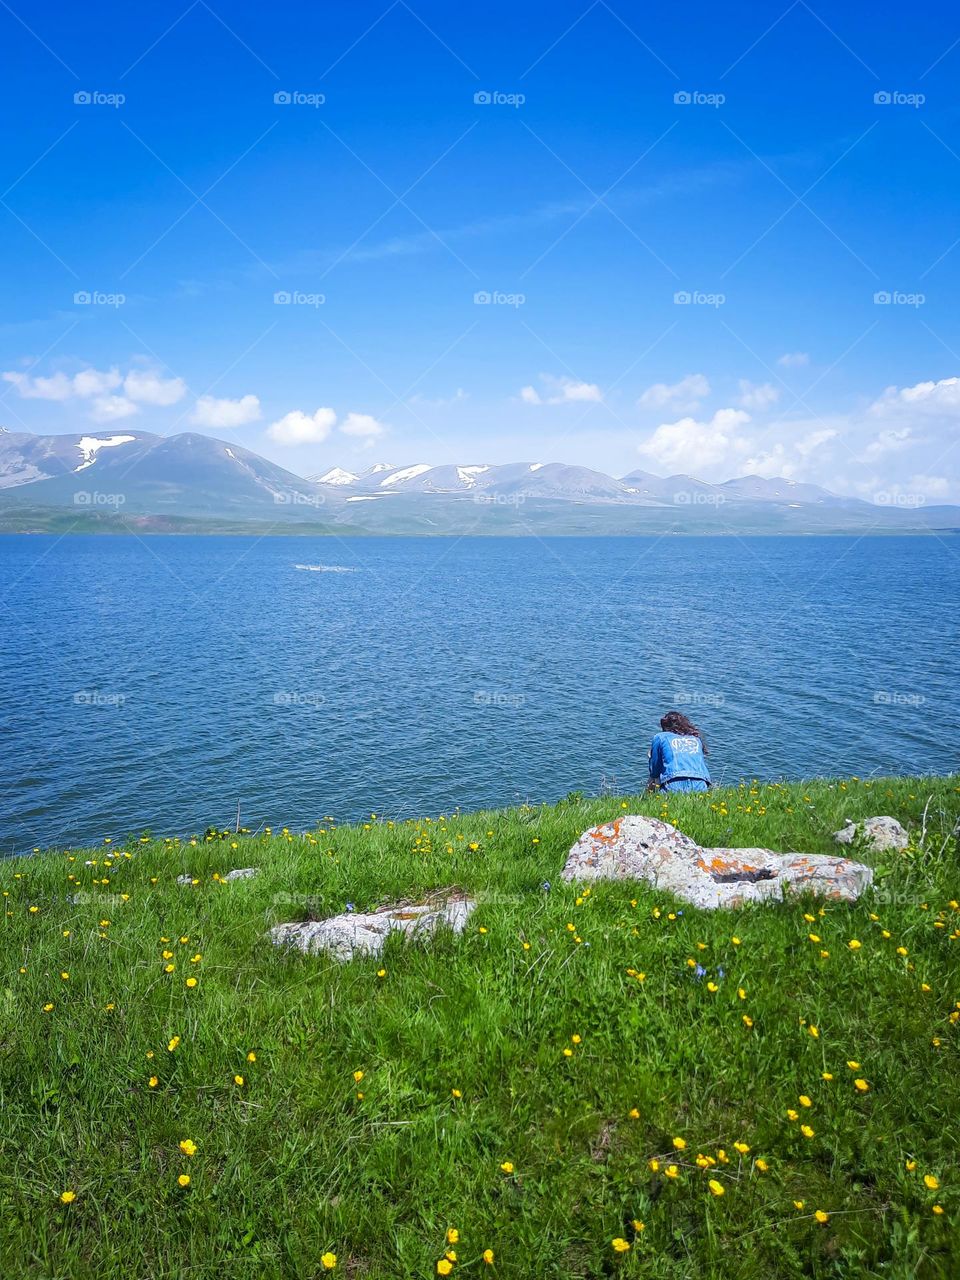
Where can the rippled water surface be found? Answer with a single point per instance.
(151, 683)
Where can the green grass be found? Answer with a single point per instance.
(292, 1163)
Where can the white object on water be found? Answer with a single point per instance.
(327, 568)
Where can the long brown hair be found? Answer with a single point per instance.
(677, 722)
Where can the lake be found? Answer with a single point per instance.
(151, 683)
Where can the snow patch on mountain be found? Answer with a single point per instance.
(88, 446)
(406, 473)
(468, 475)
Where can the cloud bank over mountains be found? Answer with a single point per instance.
(904, 438)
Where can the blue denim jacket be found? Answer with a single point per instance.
(677, 755)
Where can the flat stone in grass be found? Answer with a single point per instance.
(638, 848)
(240, 873)
(879, 833)
(364, 933)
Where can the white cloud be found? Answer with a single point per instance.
(572, 391)
(561, 391)
(794, 359)
(808, 445)
(112, 408)
(61, 386)
(298, 427)
(442, 402)
(688, 444)
(757, 395)
(140, 386)
(148, 387)
(770, 463)
(930, 486)
(683, 395)
(212, 412)
(892, 440)
(93, 382)
(363, 426)
(941, 397)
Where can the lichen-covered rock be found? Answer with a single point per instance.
(364, 933)
(880, 833)
(639, 848)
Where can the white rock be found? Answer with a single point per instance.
(639, 848)
(880, 833)
(364, 933)
(241, 873)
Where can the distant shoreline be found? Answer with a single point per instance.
(185, 526)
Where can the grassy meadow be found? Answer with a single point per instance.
(585, 1084)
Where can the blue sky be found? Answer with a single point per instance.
(578, 194)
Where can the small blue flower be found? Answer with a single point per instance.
(721, 974)
(699, 971)
(350, 906)
(545, 886)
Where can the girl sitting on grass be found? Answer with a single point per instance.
(677, 756)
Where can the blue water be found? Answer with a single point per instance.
(152, 682)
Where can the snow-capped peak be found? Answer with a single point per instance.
(337, 476)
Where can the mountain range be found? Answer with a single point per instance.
(108, 478)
